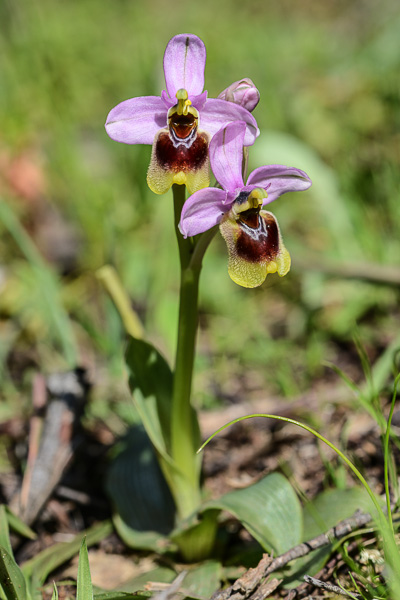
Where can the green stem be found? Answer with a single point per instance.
(184, 426)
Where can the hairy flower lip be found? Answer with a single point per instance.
(138, 120)
(255, 246)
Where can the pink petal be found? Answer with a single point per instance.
(199, 101)
(278, 180)
(201, 211)
(226, 155)
(218, 113)
(184, 62)
(168, 102)
(136, 121)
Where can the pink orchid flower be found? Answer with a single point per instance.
(252, 235)
(181, 122)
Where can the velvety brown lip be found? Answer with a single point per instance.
(181, 157)
(259, 243)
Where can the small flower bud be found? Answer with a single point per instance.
(242, 92)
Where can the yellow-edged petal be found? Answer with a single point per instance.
(159, 179)
(198, 179)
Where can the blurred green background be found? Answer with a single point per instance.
(73, 200)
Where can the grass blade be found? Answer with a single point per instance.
(19, 526)
(84, 589)
(54, 595)
(4, 532)
(13, 583)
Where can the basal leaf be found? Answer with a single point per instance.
(158, 574)
(13, 584)
(269, 510)
(195, 538)
(142, 540)
(150, 381)
(325, 511)
(84, 589)
(332, 506)
(122, 596)
(202, 581)
(138, 488)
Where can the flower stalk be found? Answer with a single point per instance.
(184, 425)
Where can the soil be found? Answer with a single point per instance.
(237, 457)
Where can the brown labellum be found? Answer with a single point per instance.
(177, 157)
(258, 239)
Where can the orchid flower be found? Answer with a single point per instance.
(181, 122)
(252, 235)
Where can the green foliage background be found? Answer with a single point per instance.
(328, 77)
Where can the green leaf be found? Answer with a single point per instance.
(34, 587)
(202, 581)
(4, 532)
(13, 584)
(51, 558)
(196, 536)
(138, 488)
(150, 381)
(122, 596)
(325, 511)
(332, 506)
(84, 589)
(142, 540)
(19, 526)
(158, 574)
(54, 595)
(269, 510)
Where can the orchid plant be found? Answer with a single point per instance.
(190, 132)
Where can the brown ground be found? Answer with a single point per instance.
(238, 457)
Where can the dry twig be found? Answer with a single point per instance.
(49, 456)
(330, 587)
(266, 589)
(246, 586)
